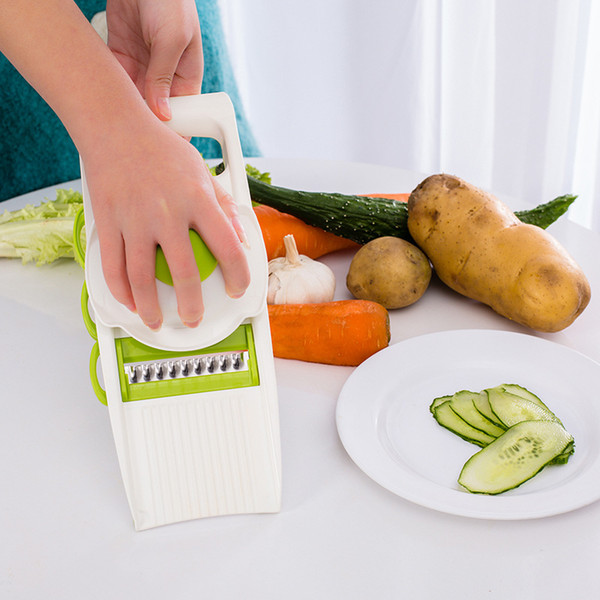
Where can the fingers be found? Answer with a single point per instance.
(112, 252)
(223, 232)
(140, 264)
(186, 278)
(229, 207)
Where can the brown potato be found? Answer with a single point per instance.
(390, 271)
(480, 249)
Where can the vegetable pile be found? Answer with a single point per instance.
(518, 433)
(474, 243)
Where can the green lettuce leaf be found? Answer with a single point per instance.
(43, 233)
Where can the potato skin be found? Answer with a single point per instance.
(390, 271)
(480, 249)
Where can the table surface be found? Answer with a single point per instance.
(65, 524)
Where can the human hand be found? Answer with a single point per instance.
(150, 194)
(159, 45)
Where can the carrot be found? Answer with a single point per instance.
(343, 332)
(311, 241)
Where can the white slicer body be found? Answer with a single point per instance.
(194, 412)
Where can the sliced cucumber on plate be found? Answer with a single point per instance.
(514, 457)
(518, 433)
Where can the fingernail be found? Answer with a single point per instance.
(164, 108)
(192, 324)
(235, 295)
(241, 232)
(155, 326)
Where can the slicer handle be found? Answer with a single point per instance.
(100, 391)
(213, 115)
(90, 325)
(78, 225)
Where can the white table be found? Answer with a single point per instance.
(65, 527)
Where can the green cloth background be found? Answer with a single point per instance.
(35, 149)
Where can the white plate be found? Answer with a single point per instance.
(384, 422)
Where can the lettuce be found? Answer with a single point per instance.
(43, 233)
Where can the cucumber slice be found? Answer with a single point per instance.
(463, 404)
(519, 390)
(512, 409)
(482, 404)
(515, 457)
(447, 418)
(563, 458)
(437, 401)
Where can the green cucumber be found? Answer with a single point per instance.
(463, 404)
(514, 457)
(482, 404)
(511, 409)
(519, 390)
(447, 418)
(362, 219)
(437, 401)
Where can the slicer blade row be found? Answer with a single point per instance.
(184, 367)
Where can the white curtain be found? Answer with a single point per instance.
(503, 93)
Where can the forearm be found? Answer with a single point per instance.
(54, 47)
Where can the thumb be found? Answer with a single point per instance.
(159, 79)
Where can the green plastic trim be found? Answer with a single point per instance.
(100, 392)
(129, 350)
(78, 225)
(204, 259)
(90, 325)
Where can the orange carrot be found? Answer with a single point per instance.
(311, 241)
(343, 332)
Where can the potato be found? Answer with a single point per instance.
(390, 271)
(480, 249)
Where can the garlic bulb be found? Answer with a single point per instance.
(298, 279)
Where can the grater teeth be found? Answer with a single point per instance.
(210, 364)
(186, 367)
(132, 374)
(172, 369)
(159, 371)
(223, 362)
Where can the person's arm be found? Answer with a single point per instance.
(148, 185)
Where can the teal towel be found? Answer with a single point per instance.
(35, 149)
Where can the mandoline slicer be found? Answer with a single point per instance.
(193, 411)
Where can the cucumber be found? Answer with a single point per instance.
(447, 418)
(362, 219)
(511, 409)
(437, 401)
(514, 457)
(482, 404)
(519, 390)
(463, 404)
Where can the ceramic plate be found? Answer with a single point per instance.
(384, 422)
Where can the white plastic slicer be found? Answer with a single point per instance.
(193, 411)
